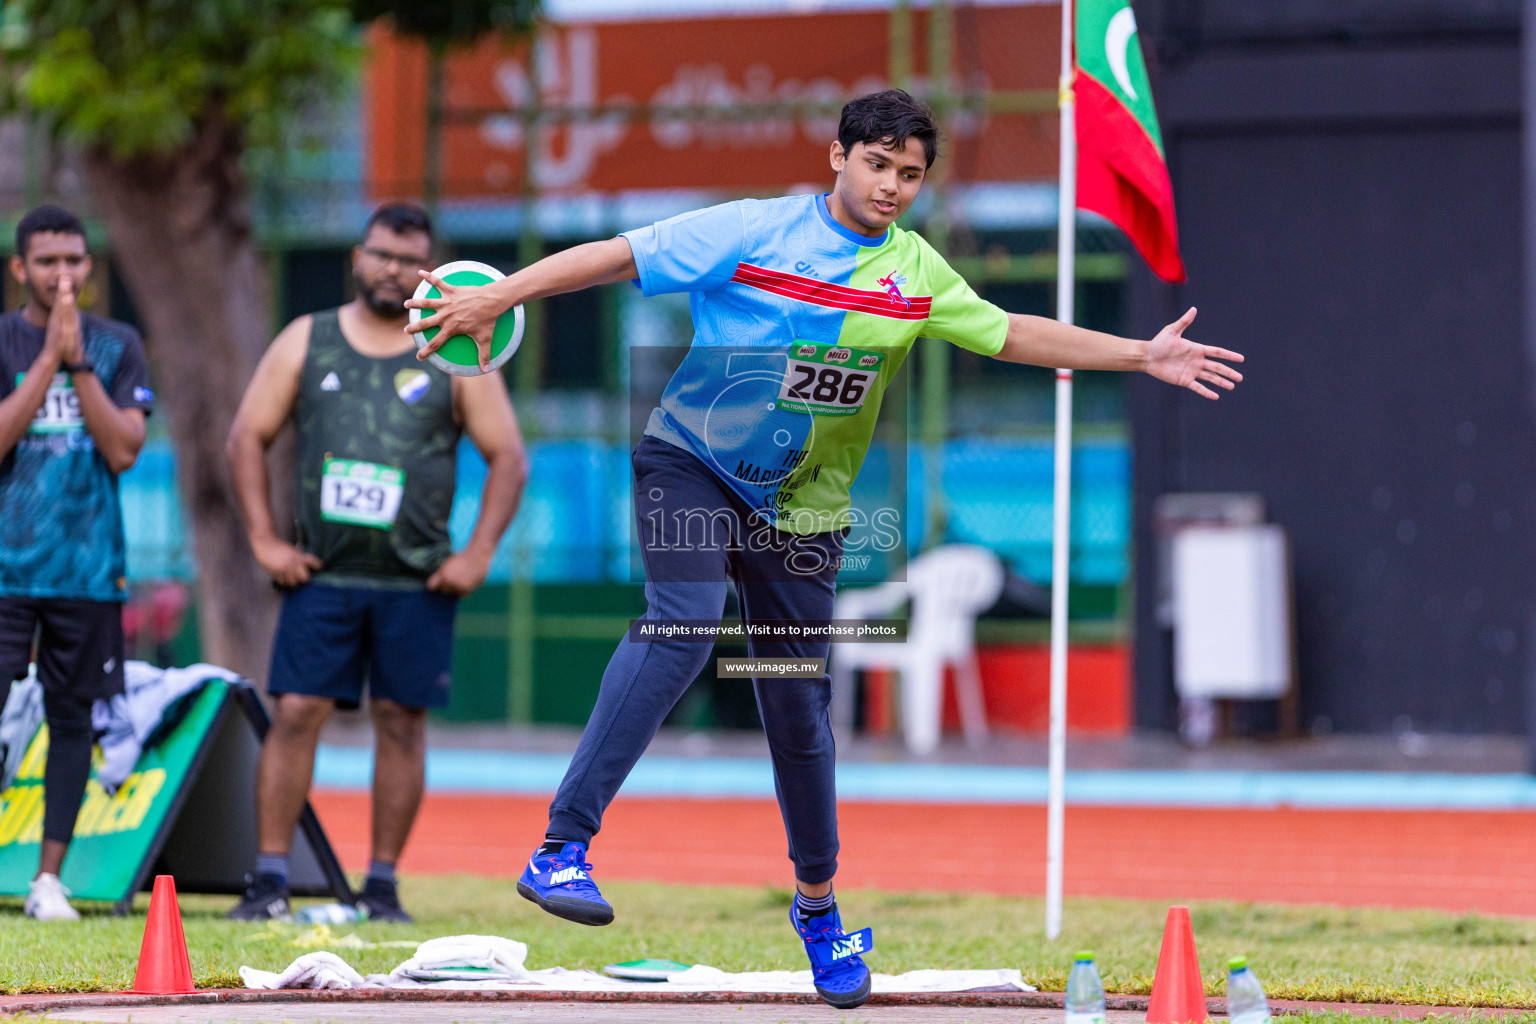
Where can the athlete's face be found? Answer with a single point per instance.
(384, 268)
(875, 183)
(50, 257)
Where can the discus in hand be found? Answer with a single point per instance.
(458, 355)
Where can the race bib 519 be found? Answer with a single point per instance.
(828, 380)
(60, 411)
(361, 493)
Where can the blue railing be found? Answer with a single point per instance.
(575, 523)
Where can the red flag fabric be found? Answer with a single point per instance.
(1121, 171)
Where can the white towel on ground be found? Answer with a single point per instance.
(492, 962)
(465, 957)
(312, 970)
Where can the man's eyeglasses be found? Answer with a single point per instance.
(409, 264)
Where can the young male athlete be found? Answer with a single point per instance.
(369, 590)
(803, 308)
(74, 392)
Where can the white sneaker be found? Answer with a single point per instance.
(48, 900)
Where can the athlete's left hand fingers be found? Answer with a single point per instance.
(1216, 379)
(1211, 366)
(1212, 352)
(1201, 389)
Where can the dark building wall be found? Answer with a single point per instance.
(1348, 181)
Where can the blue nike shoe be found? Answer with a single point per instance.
(837, 967)
(561, 883)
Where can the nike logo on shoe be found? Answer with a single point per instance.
(565, 875)
(844, 948)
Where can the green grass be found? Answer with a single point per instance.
(1460, 1017)
(1320, 953)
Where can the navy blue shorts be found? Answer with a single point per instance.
(329, 639)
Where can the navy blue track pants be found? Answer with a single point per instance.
(695, 535)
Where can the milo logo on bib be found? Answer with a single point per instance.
(828, 380)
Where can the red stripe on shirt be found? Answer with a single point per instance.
(820, 293)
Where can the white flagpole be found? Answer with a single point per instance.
(1066, 249)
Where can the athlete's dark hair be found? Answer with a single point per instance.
(47, 219)
(888, 118)
(401, 218)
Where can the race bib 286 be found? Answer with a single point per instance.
(828, 380)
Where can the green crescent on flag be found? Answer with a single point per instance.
(1121, 170)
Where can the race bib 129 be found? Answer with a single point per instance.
(60, 411)
(828, 380)
(361, 493)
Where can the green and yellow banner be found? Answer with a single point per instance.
(116, 834)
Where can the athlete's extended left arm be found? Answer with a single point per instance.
(1169, 357)
(486, 412)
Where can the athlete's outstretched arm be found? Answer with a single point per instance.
(473, 311)
(1169, 357)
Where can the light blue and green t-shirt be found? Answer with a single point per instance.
(799, 326)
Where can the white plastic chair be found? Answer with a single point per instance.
(948, 587)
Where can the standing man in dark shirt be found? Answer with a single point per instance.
(74, 392)
(371, 583)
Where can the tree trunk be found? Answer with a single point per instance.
(183, 242)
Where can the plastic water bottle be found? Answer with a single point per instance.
(1085, 992)
(327, 913)
(1245, 996)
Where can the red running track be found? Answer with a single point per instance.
(1447, 860)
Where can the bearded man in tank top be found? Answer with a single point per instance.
(370, 581)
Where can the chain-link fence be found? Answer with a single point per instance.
(604, 127)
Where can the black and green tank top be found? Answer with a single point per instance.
(376, 460)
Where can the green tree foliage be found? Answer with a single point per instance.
(138, 76)
(161, 100)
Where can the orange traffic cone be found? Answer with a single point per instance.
(1178, 994)
(164, 967)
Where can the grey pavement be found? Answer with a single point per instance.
(1405, 752)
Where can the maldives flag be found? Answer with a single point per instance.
(1121, 172)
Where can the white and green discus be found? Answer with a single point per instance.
(457, 355)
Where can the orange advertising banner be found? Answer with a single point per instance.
(733, 103)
